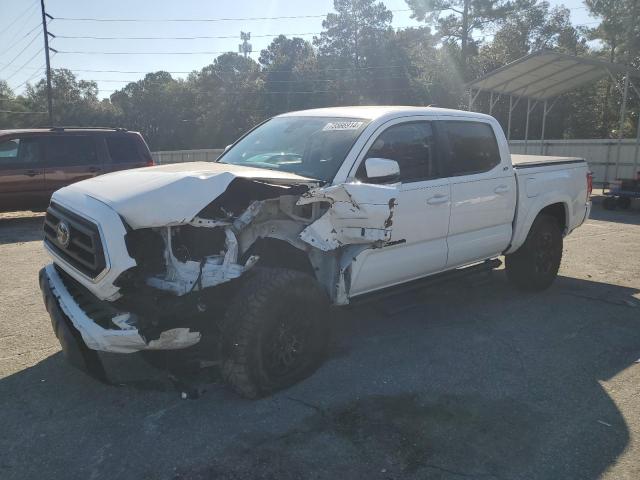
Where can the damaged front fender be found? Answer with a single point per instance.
(359, 213)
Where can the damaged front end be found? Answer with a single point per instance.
(180, 275)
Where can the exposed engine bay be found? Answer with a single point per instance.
(223, 241)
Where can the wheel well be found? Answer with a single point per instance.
(278, 253)
(557, 211)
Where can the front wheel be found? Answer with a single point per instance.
(275, 332)
(534, 266)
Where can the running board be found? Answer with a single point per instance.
(484, 267)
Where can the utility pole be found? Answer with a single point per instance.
(245, 46)
(45, 15)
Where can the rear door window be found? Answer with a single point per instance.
(19, 152)
(123, 149)
(9, 151)
(71, 150)
(473, 147)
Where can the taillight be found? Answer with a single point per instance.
(589, 184)
(150, 162)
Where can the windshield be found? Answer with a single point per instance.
(313, 147)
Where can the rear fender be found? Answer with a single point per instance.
(526, 216)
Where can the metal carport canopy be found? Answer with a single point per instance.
(543, 75)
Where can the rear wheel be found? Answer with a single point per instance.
(275, 332)
(534, 266)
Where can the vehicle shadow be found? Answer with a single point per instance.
(629, 216)
(467, 379)
(20, 229)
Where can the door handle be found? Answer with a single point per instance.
(31, 173)
(438, 199)
(500, 189)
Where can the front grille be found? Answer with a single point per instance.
(83, 248)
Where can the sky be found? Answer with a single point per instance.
(21, 40)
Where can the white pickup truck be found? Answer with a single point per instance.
(239, 260)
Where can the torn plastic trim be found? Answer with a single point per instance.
(359, 213)
(126, 340)
(181, 278)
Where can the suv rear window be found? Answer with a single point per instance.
(20, 151)
(472, 147)
(123, 150)
(70, 150)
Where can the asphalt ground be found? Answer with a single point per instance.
(471, 379)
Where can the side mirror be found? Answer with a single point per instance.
(228, 147)
(382, 170)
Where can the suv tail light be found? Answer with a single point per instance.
(589, 184)
(150, 162)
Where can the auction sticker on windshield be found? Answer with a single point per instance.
(342, 126)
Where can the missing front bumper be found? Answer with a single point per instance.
(124, 337)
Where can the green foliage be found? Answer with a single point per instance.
(357, 59)
(458, 20)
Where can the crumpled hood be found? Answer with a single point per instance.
(167, 194)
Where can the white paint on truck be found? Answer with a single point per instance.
(358, 235)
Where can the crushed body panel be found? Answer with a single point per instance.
(125, 339)
(359, 213)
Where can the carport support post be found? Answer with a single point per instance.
(526, 127)
(509, 121)
(623, 112)
(635, 153)
(491, 103)
(544, 121)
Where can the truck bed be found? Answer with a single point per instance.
(530, 161)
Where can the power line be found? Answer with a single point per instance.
(204, 37)
(25, 64)
(286, 92)
(334, 69)
(21, 38)
(38, 72)
(237, 19)
(86, 52)
(17, 19)
(21, 52)
(20, 113)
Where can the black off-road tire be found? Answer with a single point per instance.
(275, 332)
(534, 266)
(609, 203)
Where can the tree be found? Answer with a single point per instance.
(352, 43)
(618, 28)
(457, 20)
(158, 106)
(229, 99)
(620, 34)
(290, 69)
(75, 102)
